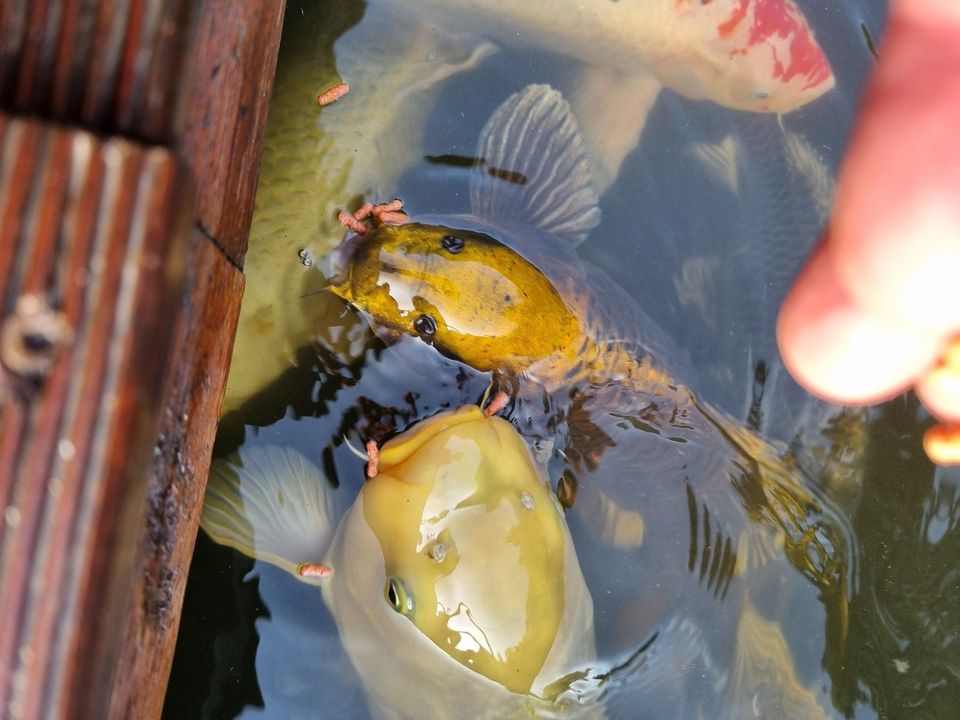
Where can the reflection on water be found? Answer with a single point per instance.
(704, 227)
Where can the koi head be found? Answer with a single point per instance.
(754, 55)
(476, 553)
(464, 292)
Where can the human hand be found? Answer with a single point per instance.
(876, 309)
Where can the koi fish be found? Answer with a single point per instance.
(455, 584)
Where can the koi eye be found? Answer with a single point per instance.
(396, 594)
(452, 244)
(425, 326)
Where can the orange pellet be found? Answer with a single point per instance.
(328, 97)
(351, 223)
(498, 403)
(373, 459)
(942, 443)
(314, 570)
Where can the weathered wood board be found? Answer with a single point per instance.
(130, 138)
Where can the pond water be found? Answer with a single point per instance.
(707, 222)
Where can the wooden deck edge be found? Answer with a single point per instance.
(98, 583)
(95, 232)
(181, 459)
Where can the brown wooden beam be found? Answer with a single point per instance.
(237, 46)
(178, 475)
(109, 65)
(96, 235)
(235, 62)
(102, 465)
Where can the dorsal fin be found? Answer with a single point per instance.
(270, 503)
(534, 167)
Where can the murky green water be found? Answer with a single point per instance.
(878, 636)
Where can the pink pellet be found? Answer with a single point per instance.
(351, 223)
(392, 218)
(498, 403)
(373, 459)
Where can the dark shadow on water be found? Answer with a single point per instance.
(902, 650)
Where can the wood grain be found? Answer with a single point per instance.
(222, 141)
(111, 65)
(98, 234)
(236, 59)
(178, 475)
(127, 250)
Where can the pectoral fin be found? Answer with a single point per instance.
(812, 169)
(272, 504)
(609, 522)
(612, 109)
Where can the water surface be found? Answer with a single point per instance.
(709, 260)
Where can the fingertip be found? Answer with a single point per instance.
(896, 218)
(836, 350)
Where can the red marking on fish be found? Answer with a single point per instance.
(775, 18)
(775, 23)
(730, 24)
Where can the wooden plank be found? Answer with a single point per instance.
(222, 143)
(98, 231)
(96, 544)
(178, 475)
(111, 65)
(226, 115)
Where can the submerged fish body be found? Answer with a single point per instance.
(751, 55)
(455, 587)
(756, 55)
(310, 163)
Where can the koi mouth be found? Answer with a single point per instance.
(367, 217)
(341, 257)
